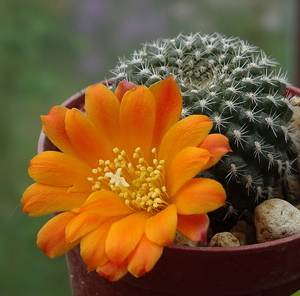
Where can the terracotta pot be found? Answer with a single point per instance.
(262, 269)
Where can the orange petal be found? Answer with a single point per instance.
(85, 137)
(194, 227)
(106, 203)
(92, 246)
(113, 272)
(122, 88)
(59, 169)
(137, 120)
(217, 145)
(190, 131)
(54, 128)
(102, 108)
(124, 236)
(83, 224)
(39, 199)
(161, 228)
(51, 238)
(144, 257)
(199, 196)
(186, 165)
(169, 106)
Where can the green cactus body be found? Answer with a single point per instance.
(236, 85)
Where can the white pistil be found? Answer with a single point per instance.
(116, 178)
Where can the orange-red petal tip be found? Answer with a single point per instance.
(123, 87)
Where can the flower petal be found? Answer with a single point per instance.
(144, 257)
(169, 106)
(106, 203)
(199, 196)
(112, 271)
(85, 137)
(122, 88)
(102, 108)
(124, 236)
(194, 227)
(161, 228)
(59, 169)
(217, 145)
(51, 238)
(190, 131)
(186, 165)
(137, 120)
(83, 224)
(54, 128)
(92, 245)
(39, 199)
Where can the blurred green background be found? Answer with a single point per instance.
(51, 49)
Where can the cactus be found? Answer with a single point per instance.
(236, 85)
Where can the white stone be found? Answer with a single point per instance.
(181, 240)
(274, 219)
(224, 239)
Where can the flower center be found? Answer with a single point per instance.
(140, 184)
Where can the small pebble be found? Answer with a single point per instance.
(288, 187)
(181, 240)
(295, 120)
(292, 192)
(247, 229)
(224, 239)
(241, 237)
(274, 219)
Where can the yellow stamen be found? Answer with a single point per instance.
(141, 185)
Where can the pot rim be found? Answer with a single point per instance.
(292, 90)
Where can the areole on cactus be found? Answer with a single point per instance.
(237, 86)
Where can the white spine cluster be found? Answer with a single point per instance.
(236, 84)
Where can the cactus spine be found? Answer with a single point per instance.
(236, 85)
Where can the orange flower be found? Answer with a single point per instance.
(124, 179)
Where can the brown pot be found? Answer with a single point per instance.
(271, 268)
